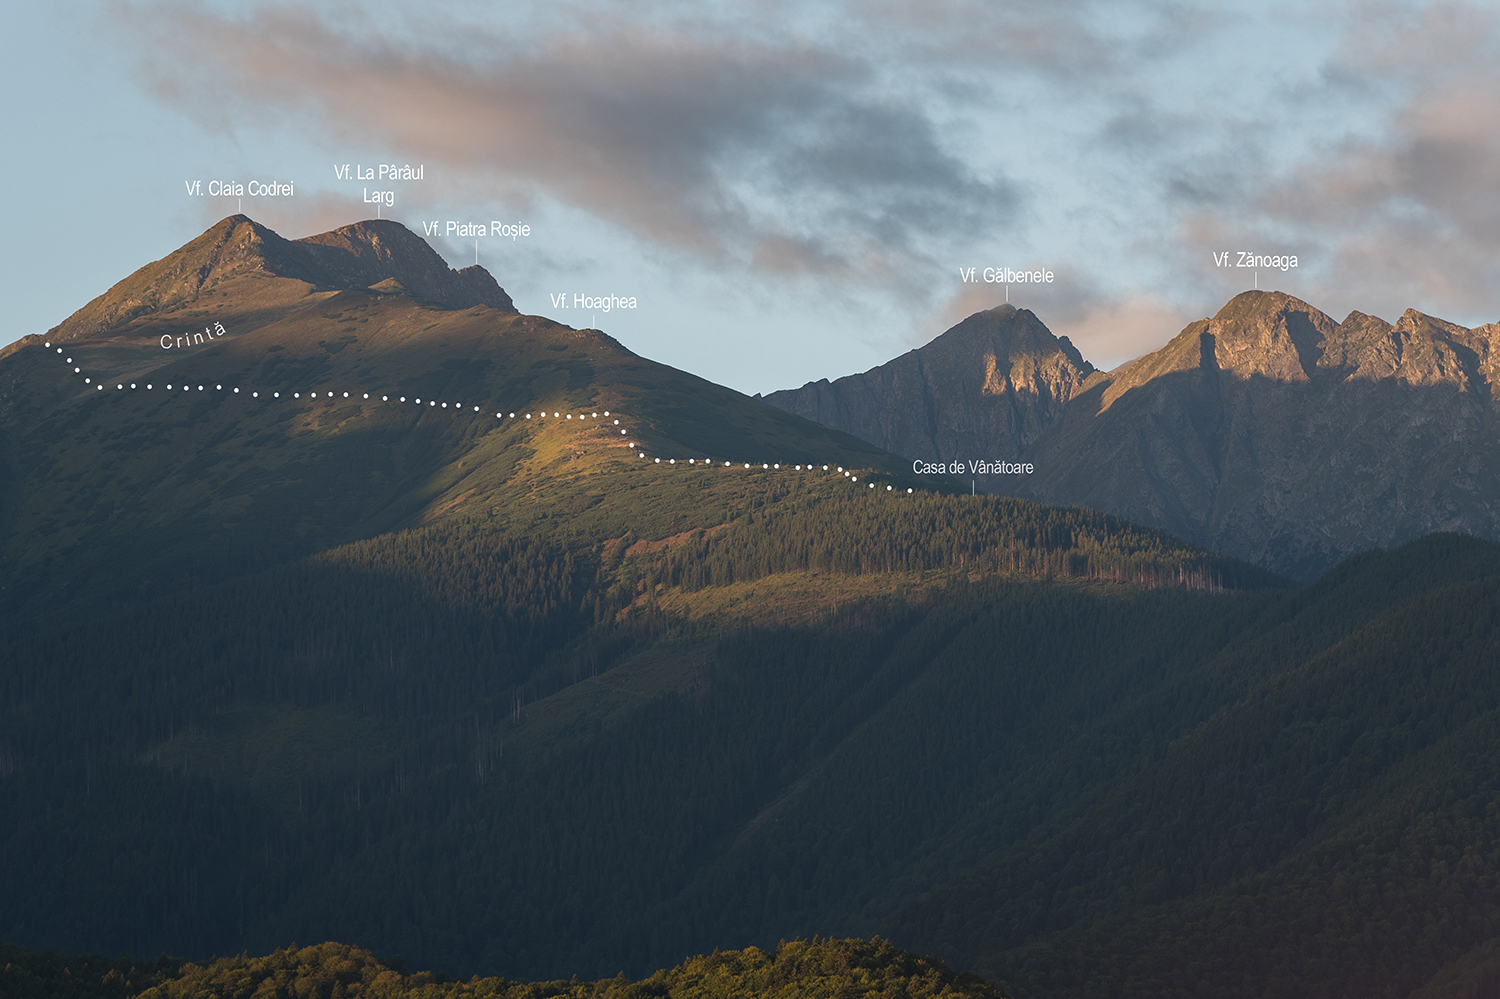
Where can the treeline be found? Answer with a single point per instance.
(460, 620)
(348, 749)
(816, 969)
(858, 534)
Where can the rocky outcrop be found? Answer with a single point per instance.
(366, 253)
(1272, 433)
(1268, 432)
(987, 388)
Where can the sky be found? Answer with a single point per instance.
(789, 191)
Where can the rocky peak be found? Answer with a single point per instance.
(354, 256)
(368, 252)
(1007, 332)
(1270, 334)
(988, 386)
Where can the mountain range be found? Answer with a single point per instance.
(219, 479)
(364, 620)
(1268, 432)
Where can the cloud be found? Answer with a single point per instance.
(1407, 215)
(845, 158)
(1058, 39)
(1413, 220)
(1110, 333)
(778, 154)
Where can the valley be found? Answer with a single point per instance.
(532, 698)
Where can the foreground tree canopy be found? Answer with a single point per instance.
(817, 969)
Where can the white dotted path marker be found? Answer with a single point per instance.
(502, 415)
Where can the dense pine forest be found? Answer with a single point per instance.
(496, 753)
(517, 699)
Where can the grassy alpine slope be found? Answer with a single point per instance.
(506, 697)
(209, 482)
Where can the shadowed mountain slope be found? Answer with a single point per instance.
(496, 683)
(1273, 433)
(366, 606)
(1268, 432)
(1322, 835)
(142, 487)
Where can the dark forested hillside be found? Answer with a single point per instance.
(556, 696)
(47, 974)
(987, 765)
(378, 718)
(1342, 814)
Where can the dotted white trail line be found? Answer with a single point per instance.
(458, 407)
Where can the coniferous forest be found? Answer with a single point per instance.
(999, 734)
(546, 706)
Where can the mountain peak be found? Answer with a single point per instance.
(1268, 333)
(1002, 333)
(375, 250)
(1250, 304)
(353, 256)
(988, 385)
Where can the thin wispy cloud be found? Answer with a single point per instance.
(1409, 214)
(859, 154)
(783, 156)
